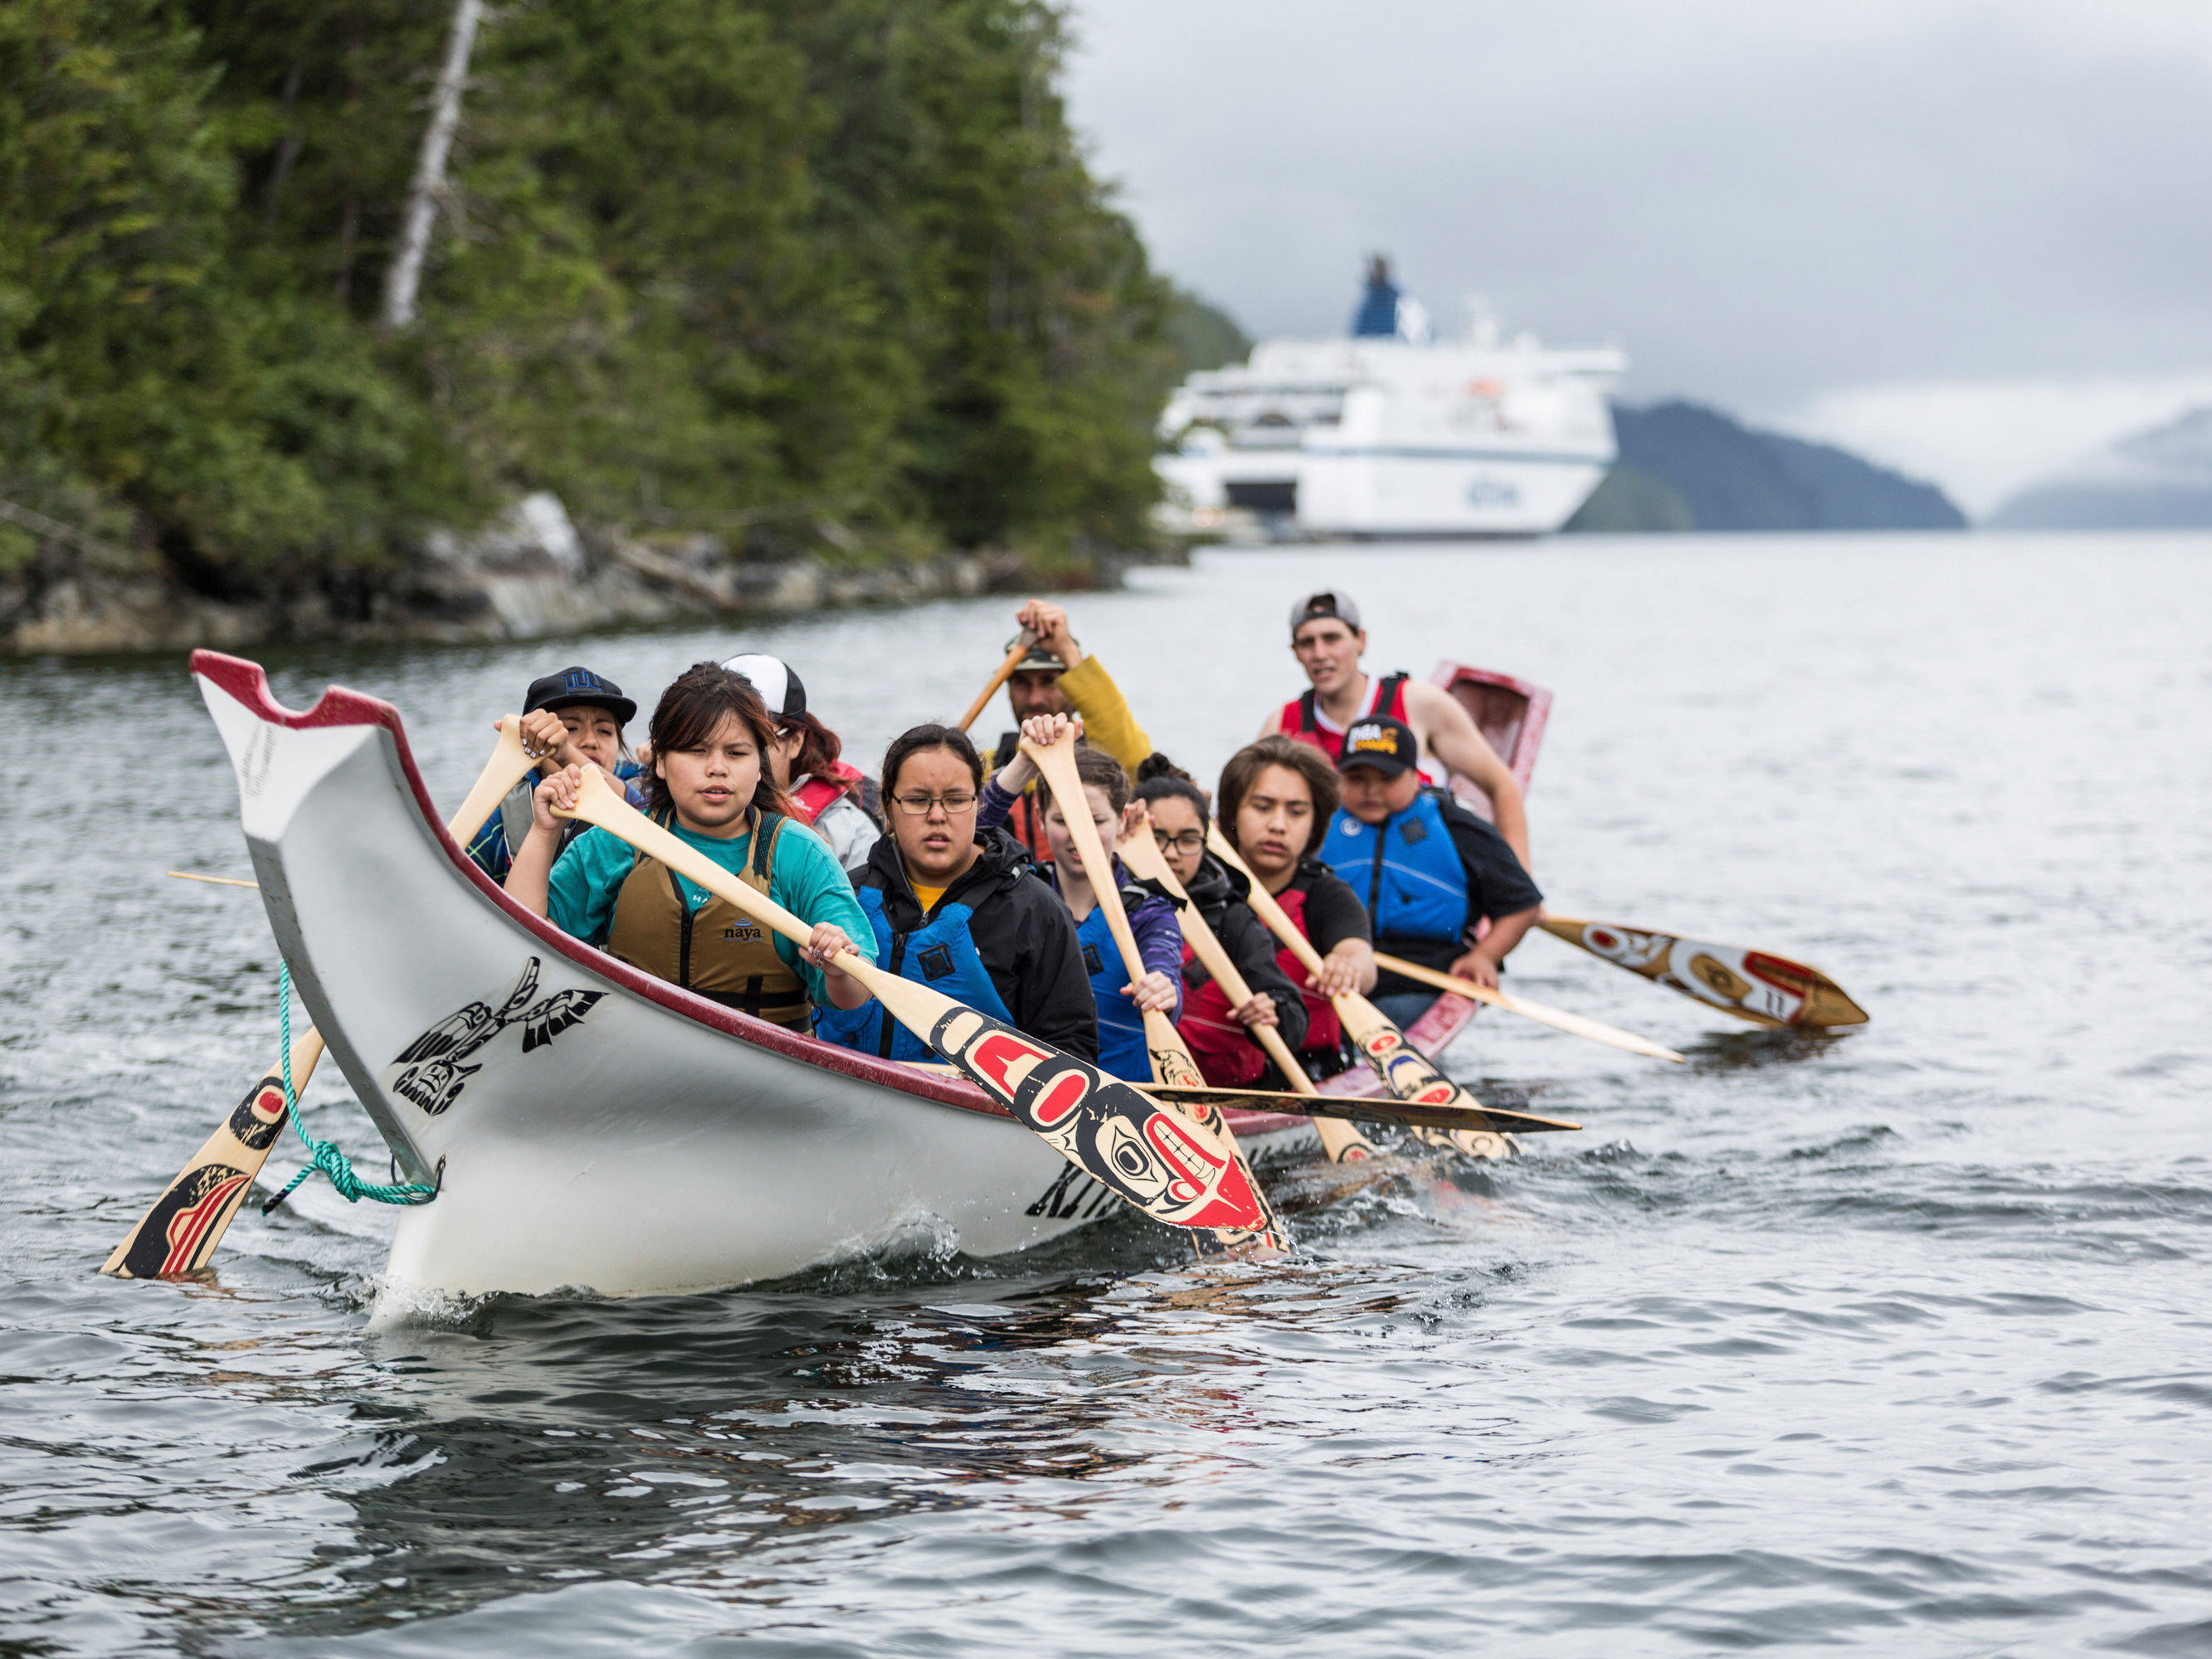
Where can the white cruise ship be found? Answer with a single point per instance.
(1392, 432)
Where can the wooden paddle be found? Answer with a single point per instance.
(1172, 1061)
(179, 1232)
(1329, 1106)
(1340, 1142)
(1015, 653)
(1156, 1158)
(1558, 1019)
(1754, 985)
(1404, 1069)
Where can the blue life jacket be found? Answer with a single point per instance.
(939, 954)
(1407, 868)
(1122, 1051)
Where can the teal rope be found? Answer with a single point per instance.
(324, 1155)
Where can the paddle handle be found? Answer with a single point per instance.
(1559, 1019)
(1170, 1055)
(1143, 855)
(1019, 649)
(510, 762)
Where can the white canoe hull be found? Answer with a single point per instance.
(590, 1127)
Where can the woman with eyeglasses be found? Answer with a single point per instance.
(709, 785)
(1219, 1035)
(1122, 1002)
(836, 801)
(960, 908)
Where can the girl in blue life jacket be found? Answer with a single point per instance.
(573, 718)
(960, 908)
(1441, 886)
(710, 786)
(1121, 1003)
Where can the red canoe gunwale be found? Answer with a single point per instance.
(247, 684)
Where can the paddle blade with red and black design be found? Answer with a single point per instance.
(182, 1230)
(1173, 1169)
(1754, 985)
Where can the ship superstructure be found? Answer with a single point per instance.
(1391, 432)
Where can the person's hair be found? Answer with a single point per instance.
(1096, 769)
(920, 738)
(1159, 778)
(689, 714)
(818, 752)
(1308, 762)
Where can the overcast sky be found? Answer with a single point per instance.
(1970, 238)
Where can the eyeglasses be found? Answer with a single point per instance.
(920, 806)
(1190, 840)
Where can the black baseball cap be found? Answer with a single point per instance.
(1388, 745)
(775, 680)
(1326, 602)
(572, 687)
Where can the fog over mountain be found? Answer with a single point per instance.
(2156, 480)
(1777, 209)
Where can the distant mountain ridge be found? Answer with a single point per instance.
(1686, 467)
(2160, 479)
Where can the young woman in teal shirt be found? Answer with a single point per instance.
(709, 786)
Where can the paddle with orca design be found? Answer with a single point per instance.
(1019, 649)
(180, 1231)
(1754, 985)
(1404, 1069)
(1558, 1019)
(1156, 1158)
(1172, 1061)
(1340, 1143)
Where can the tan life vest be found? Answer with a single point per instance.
(717, 951)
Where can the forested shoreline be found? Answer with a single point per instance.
(830, 281)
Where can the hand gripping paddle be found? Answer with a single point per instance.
(1174, 1170)
(180, 1232)
(1171, 1057)
(1404, 1069)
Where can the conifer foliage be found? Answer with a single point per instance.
(699, 262)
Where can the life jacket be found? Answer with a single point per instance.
(940, 954)
(716, 951)
(1323, 1032)
(1408, 870)
(1302, 717)
(1217, 1039)
(813, 793)
(1122, 1050)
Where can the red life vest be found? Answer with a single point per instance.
(1302, 720)
(1225, 1053)
(1322, 1030)
(813, 798)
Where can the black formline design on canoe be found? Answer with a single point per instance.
(435, 1075)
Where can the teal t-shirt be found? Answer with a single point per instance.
(804, 880)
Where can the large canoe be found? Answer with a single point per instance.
(588, 1125)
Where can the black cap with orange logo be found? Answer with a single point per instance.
(1387, 745)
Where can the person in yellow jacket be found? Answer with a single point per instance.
(1057, 678)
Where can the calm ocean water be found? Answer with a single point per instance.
(1897, 1339)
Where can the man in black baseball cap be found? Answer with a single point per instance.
(1328, 641)
(1443, 889)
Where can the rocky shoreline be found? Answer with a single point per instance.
(531, 573)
